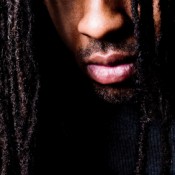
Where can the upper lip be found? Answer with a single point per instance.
(110, 59)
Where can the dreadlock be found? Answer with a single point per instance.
(157, 51)
(19, 85)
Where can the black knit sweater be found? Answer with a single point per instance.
(99, 141)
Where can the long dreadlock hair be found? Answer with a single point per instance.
(19, 85)
(19, 81)
(159, 96)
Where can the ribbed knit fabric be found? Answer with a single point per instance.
(121, 144)
(154, 150)
(172, 141)
(121, 150)
(101, 142)
(112, 143)
(121, 140)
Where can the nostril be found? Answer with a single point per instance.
(119, 35)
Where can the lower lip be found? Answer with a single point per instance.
(110, 74)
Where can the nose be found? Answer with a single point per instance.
(100, 18)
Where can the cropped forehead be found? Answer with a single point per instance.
(79, 4)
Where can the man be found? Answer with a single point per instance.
(123, 49)
(112, 61)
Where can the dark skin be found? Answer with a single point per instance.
(101, 37)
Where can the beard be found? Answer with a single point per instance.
(143, 83)
(125, 93)
(121, 93)
(114, 95)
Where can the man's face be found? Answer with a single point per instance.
(100, 33)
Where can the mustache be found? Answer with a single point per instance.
(95, 46)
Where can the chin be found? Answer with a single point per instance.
(114, 94)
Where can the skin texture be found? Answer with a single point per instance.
(100, 34)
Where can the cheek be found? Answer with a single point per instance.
(156, 16)
(66, 17)
(67, 30)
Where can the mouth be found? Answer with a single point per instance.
(110, 68)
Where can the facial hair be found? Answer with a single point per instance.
(115, 93)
